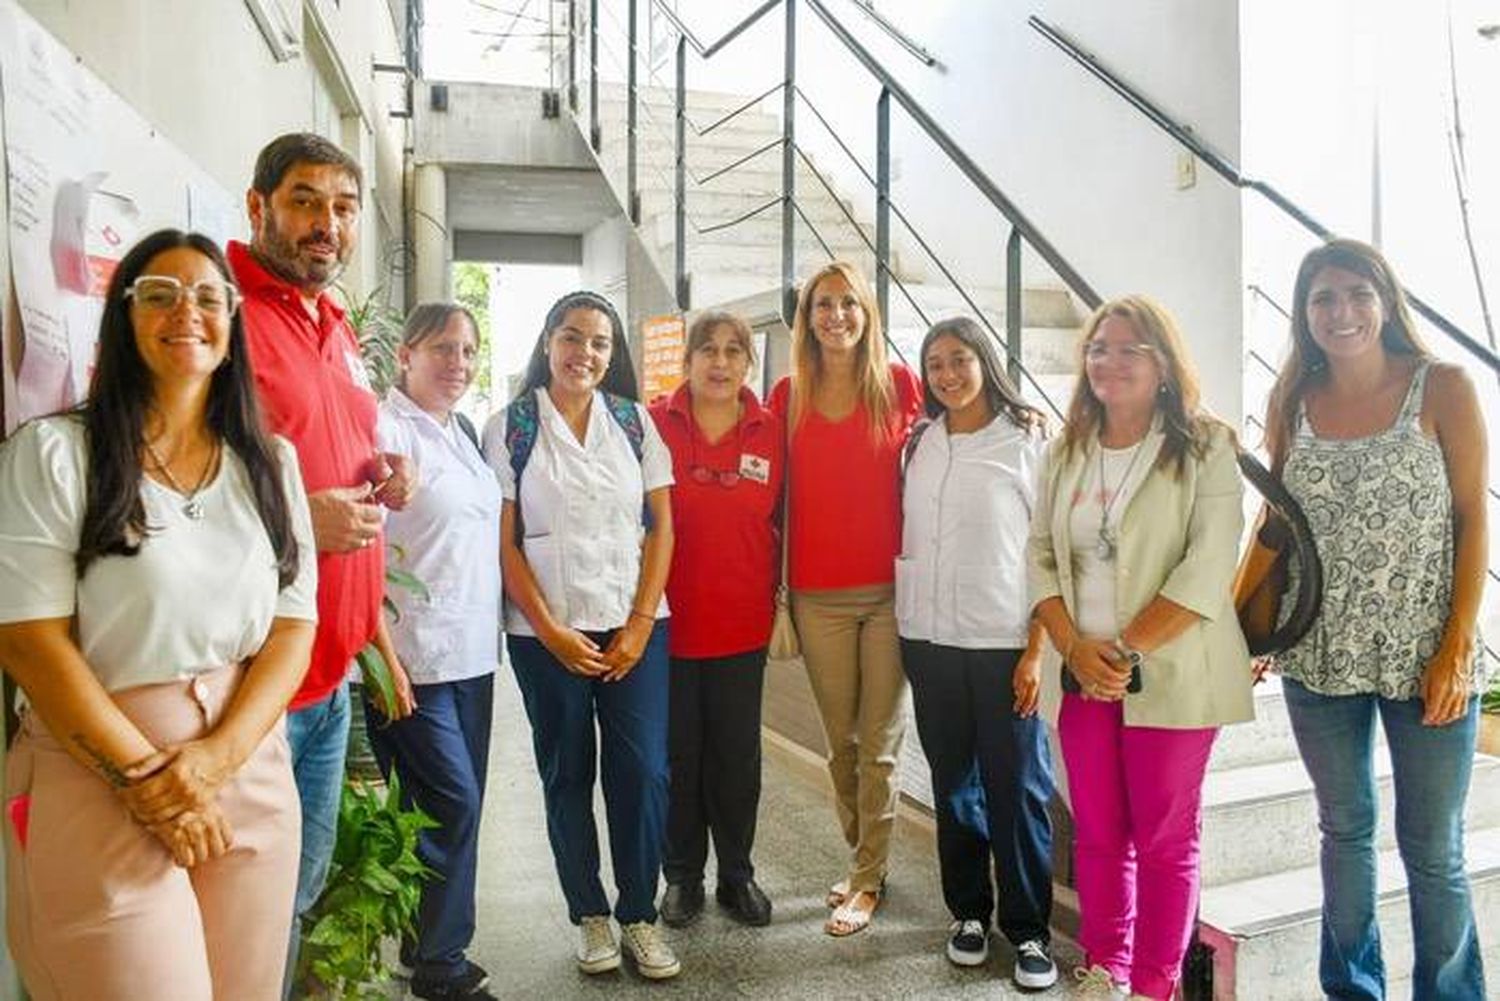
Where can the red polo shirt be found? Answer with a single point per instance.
(845, 498)
(313, 390)
(725, 558)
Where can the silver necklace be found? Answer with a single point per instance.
(192, 503)
(1107, 546)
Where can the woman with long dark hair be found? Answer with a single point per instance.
(971, 650)
(1384, 448)
(585, 544)
(157, 601)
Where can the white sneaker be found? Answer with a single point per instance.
(968, 943)
(597, 950)
(1096, 982)
(653, 957)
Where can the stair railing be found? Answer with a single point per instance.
(1226, 169)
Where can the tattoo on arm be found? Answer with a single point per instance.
(113, 773)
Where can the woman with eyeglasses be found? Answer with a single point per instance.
(971, 649)
(727, 454)
(1132, 553)
(446, 640)
(157, 600)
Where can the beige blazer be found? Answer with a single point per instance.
(1179, 538)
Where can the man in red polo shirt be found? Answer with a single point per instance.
(304, 206)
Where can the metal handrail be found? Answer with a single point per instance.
(966, 165)
(1222, 166)
(904, 40)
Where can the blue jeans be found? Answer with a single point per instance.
(1431, 766)
(991, 781)
(631, 716)
(441, 752)
(318, 735)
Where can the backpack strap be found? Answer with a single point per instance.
(467, 427)
(521, 429)
(912, 440)
(628, 416)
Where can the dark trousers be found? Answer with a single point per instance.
(991, 780)
(441, 753)
(630, 755)
(713, 744)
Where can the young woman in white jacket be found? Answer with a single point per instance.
(970, 650)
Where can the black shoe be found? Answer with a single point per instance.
(471, 985)
(681, 904)
(1035, 970)
(746, 902)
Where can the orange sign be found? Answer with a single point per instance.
(662, 341)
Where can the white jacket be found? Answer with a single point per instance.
(967, 501)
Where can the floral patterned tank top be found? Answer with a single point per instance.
(1381, 513)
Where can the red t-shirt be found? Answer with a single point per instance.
(725, 558)
(313, 390)
(845, 502)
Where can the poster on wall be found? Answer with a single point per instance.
(87, 176)
(662, 341)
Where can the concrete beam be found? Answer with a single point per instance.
(493, 125)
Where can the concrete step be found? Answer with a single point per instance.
(657, 129)
(762, 230)
(1267, 739)
(708, 103)
(1276, 799)
(1265, 931)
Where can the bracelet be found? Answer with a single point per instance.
(636, 614)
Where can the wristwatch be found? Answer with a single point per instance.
(1131, 655)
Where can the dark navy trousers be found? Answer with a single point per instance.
(991, 781)
(629, 754)
(441, 753)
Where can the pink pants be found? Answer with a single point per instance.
(97, 909)
(1136, 795)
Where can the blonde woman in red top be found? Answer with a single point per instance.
(847, 410)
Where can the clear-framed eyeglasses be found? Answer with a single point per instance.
(163, 293)
(1101, 351)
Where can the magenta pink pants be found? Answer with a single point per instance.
(96, 908)
(1137, 795)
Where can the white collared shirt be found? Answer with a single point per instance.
(966, 505)
(580, 507)
(448, 537)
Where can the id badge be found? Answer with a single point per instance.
(755, 467)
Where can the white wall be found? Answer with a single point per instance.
(203, 74)
(1096, 178)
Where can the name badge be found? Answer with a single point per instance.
(755, 467)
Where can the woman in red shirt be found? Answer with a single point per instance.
(848, 411)
(727, 461)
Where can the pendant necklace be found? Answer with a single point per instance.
(192, 504)
(1107, 545)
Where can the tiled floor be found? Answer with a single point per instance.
(525, 941)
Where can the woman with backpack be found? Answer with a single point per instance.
(972, 651)
(585, 547)
(437, 737)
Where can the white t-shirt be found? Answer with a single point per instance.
(1094, 590)
(966, 511)
(197, 596)
(580, 506)
(448, 537)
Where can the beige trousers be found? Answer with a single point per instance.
(853, 657)
(97, 910)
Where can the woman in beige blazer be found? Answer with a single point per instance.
(1131, 556)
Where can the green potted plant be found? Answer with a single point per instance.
(373, 891)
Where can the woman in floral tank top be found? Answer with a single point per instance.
(1384, 448)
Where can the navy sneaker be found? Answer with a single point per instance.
(471, 984)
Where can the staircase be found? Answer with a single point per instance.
(741, 264)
